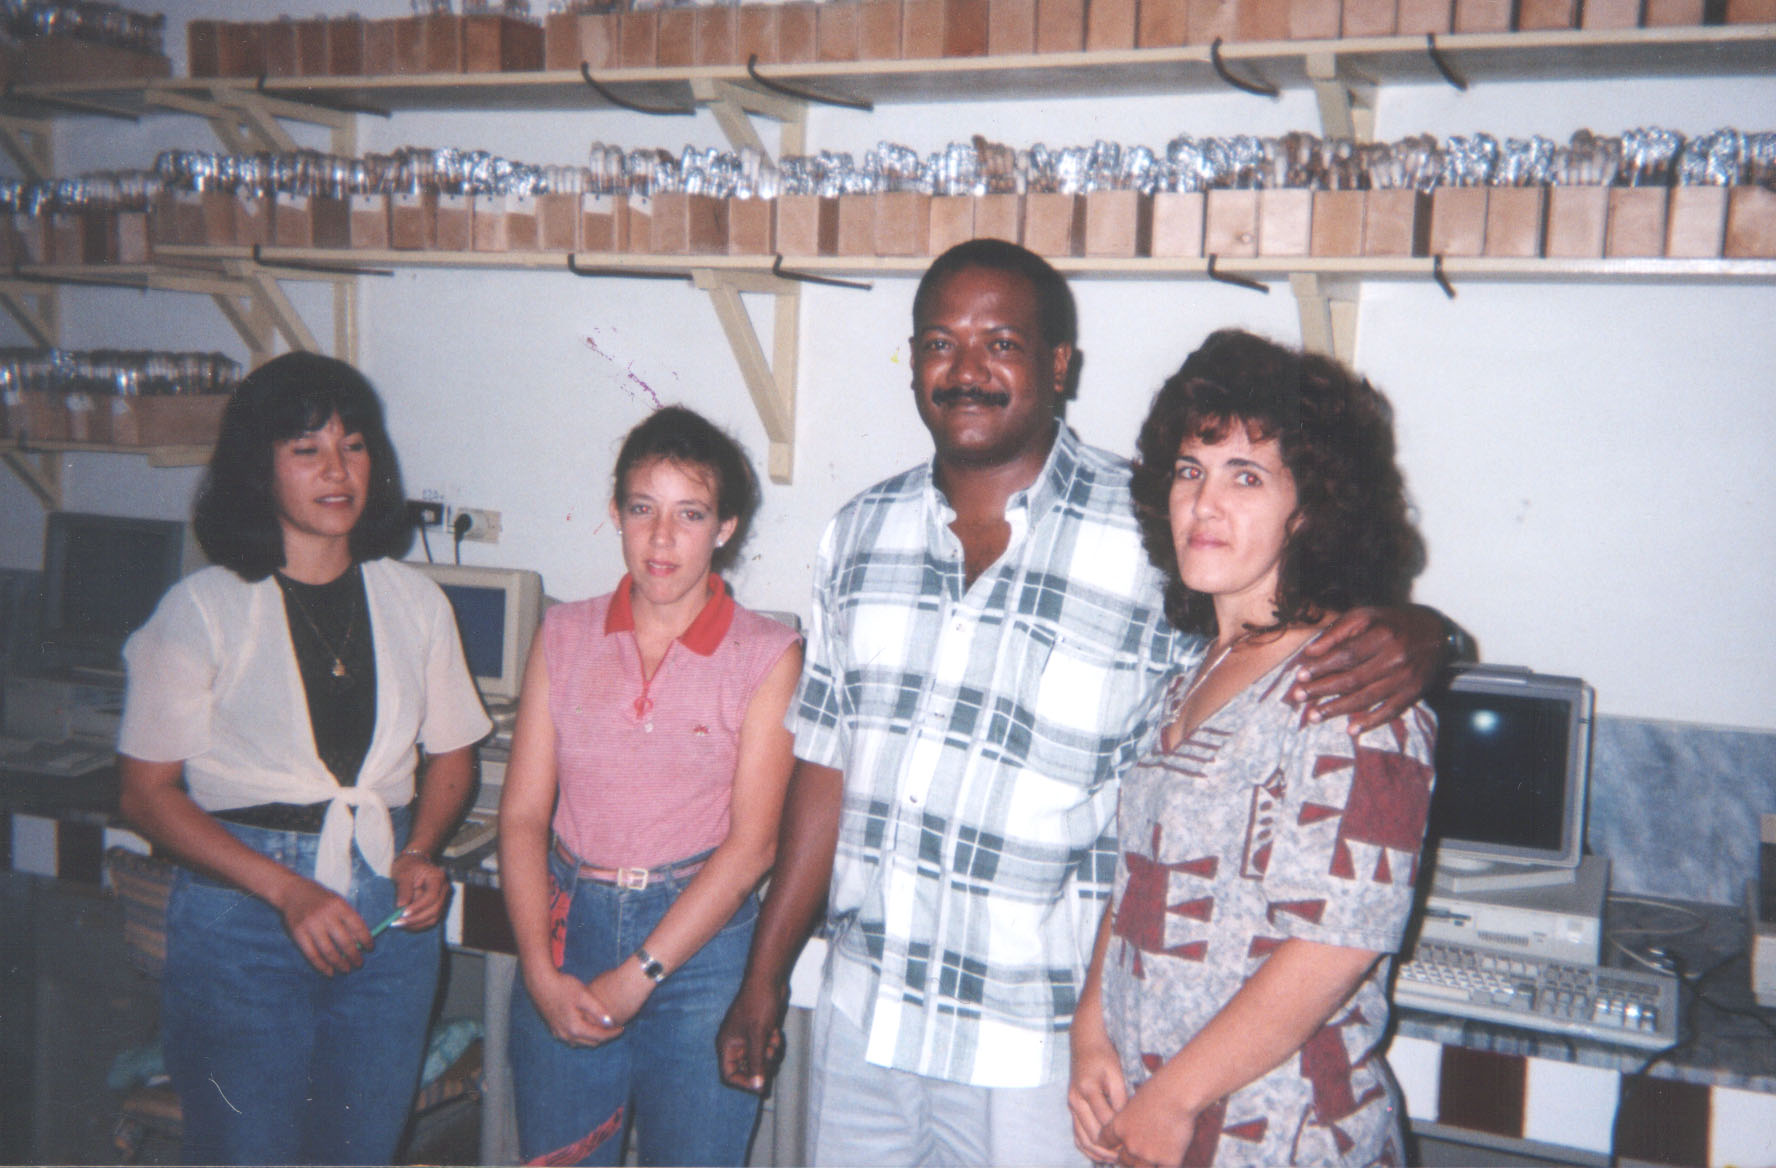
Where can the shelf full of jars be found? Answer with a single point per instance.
(1645, 195)
(103, 399)
(47, 41)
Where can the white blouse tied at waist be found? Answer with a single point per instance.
(213, 683)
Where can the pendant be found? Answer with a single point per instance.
(338, 668)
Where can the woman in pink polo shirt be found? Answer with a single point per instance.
(639, 815)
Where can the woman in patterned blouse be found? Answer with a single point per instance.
(1237, 994)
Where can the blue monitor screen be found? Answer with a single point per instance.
(481, 618)
(1501, 769)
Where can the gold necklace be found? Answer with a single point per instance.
(351, 625)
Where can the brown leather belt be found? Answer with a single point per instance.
(631, 879)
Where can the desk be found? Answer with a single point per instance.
(1712, 1101)
(56, 825)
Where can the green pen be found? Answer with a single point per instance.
(387, 921)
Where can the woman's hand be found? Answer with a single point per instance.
(624, 989)
(1097, 1091)
(574, 1013)
(750, 1040)
(1152, 1130)
(421, 889)
(327, 929)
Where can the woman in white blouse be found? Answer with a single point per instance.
(269, 740)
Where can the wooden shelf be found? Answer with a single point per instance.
(190, 455)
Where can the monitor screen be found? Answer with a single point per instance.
(102, 577)
(1513, 756)
(496, 612)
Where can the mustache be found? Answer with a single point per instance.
(958, 393)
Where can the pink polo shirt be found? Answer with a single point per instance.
(646, 766)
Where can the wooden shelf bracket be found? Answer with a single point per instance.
(731, 103)
(771, 381)
(1346, 98)
(27, 142)
(1328, 309)
(41, 471)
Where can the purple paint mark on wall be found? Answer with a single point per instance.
(632, 382)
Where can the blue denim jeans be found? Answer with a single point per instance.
(574, 1103)
(274, 1062)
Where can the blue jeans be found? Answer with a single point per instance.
(274, 1062)
(574, 1103)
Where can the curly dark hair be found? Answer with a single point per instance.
(1354, 543)
(236, 518)
(682, 435)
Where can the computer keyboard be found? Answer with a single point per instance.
(1623, 1006)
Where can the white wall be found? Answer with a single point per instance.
(1589, 462)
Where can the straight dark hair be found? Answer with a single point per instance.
(236, 517)
(684, 436)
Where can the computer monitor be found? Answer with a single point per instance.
(1513, 765)
(496, 611)
(102, 577)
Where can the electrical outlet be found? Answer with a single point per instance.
(425, 513)
(484, 525)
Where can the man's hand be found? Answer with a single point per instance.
(1097, 1092)
(1371, 664)
(750, 1040)
(325, 927)
(1151, 1132)
(421, 890)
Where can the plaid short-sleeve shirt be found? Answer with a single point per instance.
(981, 732)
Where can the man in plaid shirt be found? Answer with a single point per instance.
(986, 640)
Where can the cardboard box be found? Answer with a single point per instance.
(1396, 222)
(1534, 15)
(241, 50)
(253, 217)
(1370, 18)
(835, 30)
(203, 48)
(66, 241)
(561, 41)
(1338, 223)
(443, 42)
(180, 419)
(857, 225)
(1669, 13)
(1636, 222)
(496, 43)
(689, 224)
(903, 223)
(716, 28)
(1054, 224)
(558, 221)
(310, 221)
(807, 225)
(132, 237)
(345, 46)
(39, 415)
(638, 38)
(1578, 218)
(1162, 23)
(1230, 223)
(379, 47)
(1458, 221)
(878, 30)
(504, 223)
(921, 30)
(369, 223)
(1011, 27)
(88, 421)
(279, 37)
(1177, 224)
(675, 42)
(1285, 221)
(1696, 223)
(1315, 20)
(998, 216)
(601, 40)
(188, 218)
(638, 219)
(1751, 223)
(797, 32)
(1060, 26)
(311, 47)
(1211, 19)
(411, 45)
(1421, 17)
(1109, 24)
(952, 222)
(1514, 220)
(1262, 20)
(604, 223)
(1751, 12)
(1118, 224)
(1484, 15)
(756, 32)
(221, 219)
(1610, 14)
(413, 221)
(965, 28)
(454, 223)
(752, 227)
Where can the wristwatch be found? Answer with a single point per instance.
(650, 965)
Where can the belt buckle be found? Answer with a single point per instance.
(632, 879)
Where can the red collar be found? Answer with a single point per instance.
(706, 631)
